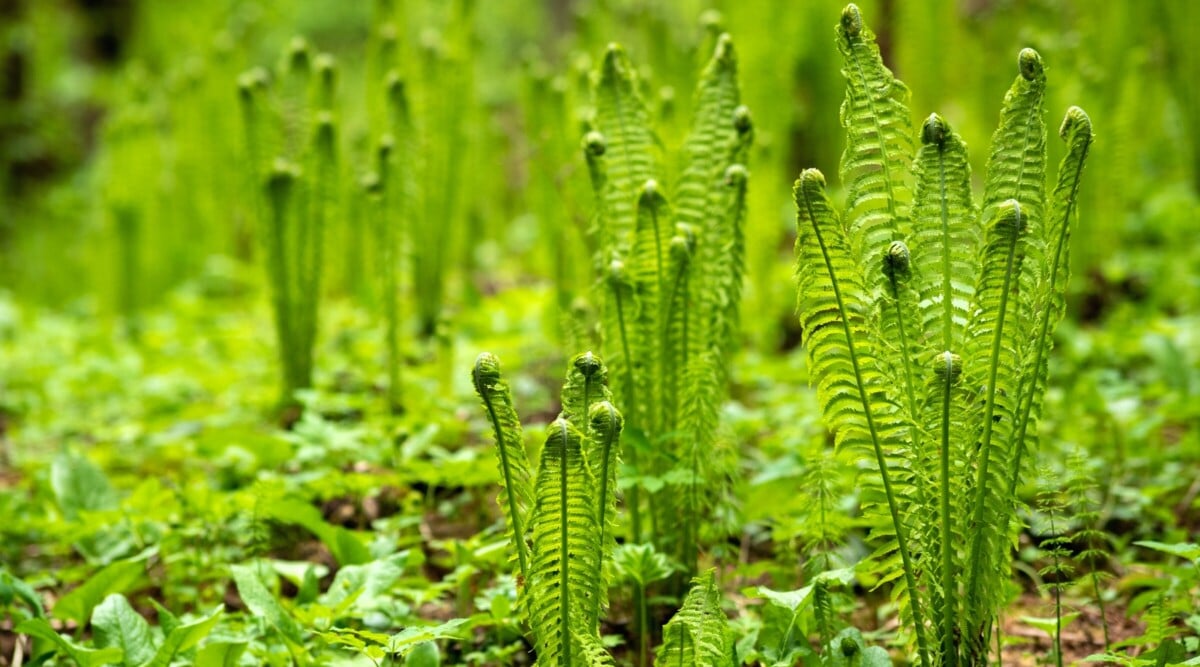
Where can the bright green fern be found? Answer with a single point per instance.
(928, 323)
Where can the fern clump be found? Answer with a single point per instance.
(928, 322)
(668, 262)
(291, 144)
(560, 519)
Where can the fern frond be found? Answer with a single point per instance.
(833, 309)
(945, 237)
(992, 361)
(622, 119)
(879, 142)
(516, 489)
(586, 384)
(650, 270)
(1016, 167)
(563, 588)
(605, 426)
(699, 634)
(1076, 131)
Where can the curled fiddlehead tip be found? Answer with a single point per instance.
(588, 364)
(371, 183)
(325, 128)
(851, 25)
(650, 191)
(725, 54)
(948, 365)
(594, 144)
(325, 64)
(616, 64)
(617, 273)
(683, 243)
(386, 143)
(935, 130)
(486, 372)
(712, 21)
(1009, 213)
(896, 260)
(743, 122)
(282, 176)
(736, 175)
(810, 178)
(605, 418)
(1076, 122)
(1030, 63)
(299, 54)
(252, 81)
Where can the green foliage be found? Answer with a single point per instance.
(573, 507)
(935, 368)
(699, 633)
(292, 156)
(669, 276)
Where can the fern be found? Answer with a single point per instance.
(291, 143)
(699, 634)
(516, 489)
(561, 526)
(563, 587)
(928, 323)
(669, 274)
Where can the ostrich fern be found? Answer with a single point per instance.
(292, 150)
(670, 265)
(929, 323)
(561, 522)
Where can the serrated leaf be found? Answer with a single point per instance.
(261, 603)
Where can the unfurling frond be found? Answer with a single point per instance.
(699, 634)
(622, 120)
(879, 142)
(563, 587)
(516, 490)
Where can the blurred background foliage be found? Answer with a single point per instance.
(119, 119)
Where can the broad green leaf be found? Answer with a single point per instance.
(425, 654)
(1047, 625)
(1184, 550)
(408, 639)
(117, 624)
(79, 485)
(795, 600)
(185, 637)
(117, 577)
(346, 548)
(38, 628)
(220, 654)
(12, 588)
(261, 603)
(366, 584)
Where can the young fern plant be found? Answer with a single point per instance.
(560, 518)
(928, 324)
(669, 271)
(561, 523)
(291, 144)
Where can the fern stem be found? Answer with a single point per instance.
(949, 589)
(893, 509)
(514, 512)
(949, 650)
(565, 555)
(989, 411)
(634, 498)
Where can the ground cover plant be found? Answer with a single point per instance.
(474, 333)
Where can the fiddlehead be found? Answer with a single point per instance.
(516, 488)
